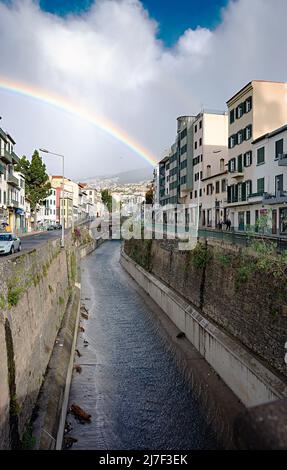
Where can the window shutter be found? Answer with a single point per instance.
(243, 191)
(236, 193)
(244, 160)
(229, 166)
(229, 194)
(239, 163)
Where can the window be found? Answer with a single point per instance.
(183, 134)
(222, 164)
(239, 111)
(217, 187)
(200, 192)
(232, 141)
(200, 142)
(260, 186)
(223, 186)
(195, 194)
(232, 165)
(248, 159)
(183, 149)
(279, 148)
(248, 132)
(239, 163)
(232, 116)
(209, 189)
(195, 145)
(261, 156)
(248, 104)
(183, 164)
(240, 192)
(240, 137)
(191, 195)
(183, 180)
(208, 171)
(200, 125)
(248, 186)
(195, 129)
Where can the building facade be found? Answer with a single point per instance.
(195, 170)
(209, 185)
(254, 111)
(12, 186)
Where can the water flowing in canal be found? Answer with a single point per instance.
(130, 382)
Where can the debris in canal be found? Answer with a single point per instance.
(78, 368)
(84, 313)
(78, 353)
(69, 441)
(181, 334)
(80, 414)
(82, 329)
(68, 427)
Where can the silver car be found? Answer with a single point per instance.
(9, 243)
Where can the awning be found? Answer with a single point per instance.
(19, 212)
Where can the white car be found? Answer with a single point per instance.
(9, 243)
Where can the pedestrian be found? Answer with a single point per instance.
(220, 224)
(228, 224)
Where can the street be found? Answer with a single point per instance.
(32, 241)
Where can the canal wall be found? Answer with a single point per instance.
(244, 293)
(35, 290)
(250, 379)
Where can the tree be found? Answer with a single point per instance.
(37, 185)
(107, 199)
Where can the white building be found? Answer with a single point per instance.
(47, 212)
(267, 181)
(256, 110)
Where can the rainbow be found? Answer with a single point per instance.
(63, 104)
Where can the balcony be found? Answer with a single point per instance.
(11, 179)
(255, 197)
(13, 203)
(237, 174)
(15, 158)
(282, 159)
(5, 156)
(279, 198)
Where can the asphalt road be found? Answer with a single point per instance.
(31, 241)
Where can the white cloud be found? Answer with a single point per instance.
(110, 60)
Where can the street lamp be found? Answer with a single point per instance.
(62, 218)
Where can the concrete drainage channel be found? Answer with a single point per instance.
(263, 423)
(52, 404)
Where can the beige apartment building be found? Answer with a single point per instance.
(210, 156)
(256, 110)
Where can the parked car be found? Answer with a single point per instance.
(58, 227)
(9, 243)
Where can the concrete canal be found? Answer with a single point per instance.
(130, 382)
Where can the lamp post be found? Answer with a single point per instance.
(62, 217)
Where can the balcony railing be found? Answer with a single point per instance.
(282, 159)
(278, 198)
(15, 158)
(254, 195)
(237, 174)
(13, 203)
(5, 156)
(11, 179)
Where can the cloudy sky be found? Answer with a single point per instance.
(136, 64)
